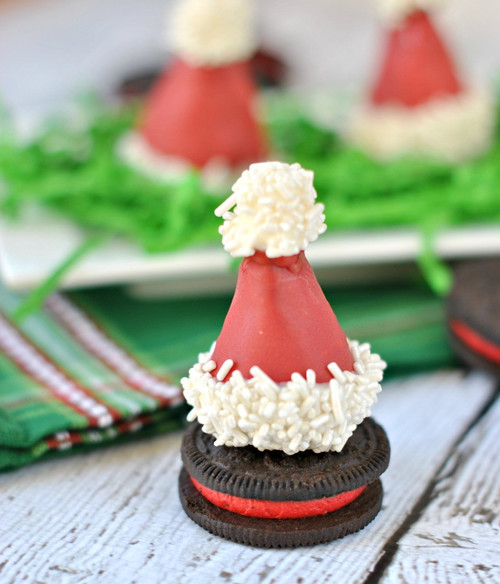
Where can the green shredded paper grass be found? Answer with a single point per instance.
(75, 170)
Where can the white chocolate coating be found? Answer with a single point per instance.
(293, 416)
(275, 211)
(212, 33)
(451, 129)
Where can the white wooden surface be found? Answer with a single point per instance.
(457, 537)
(114, 515)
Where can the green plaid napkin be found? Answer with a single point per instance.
(98, 366)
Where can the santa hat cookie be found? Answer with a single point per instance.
(281, 348)
(282, 376)
(202, 111)
(418, 104)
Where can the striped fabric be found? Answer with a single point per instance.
(65, 381)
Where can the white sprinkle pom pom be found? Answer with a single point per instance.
(395, 10)
(212, 33)
(274, 211)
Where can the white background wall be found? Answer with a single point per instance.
(51, 49)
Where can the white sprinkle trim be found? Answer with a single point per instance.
(217, 174)
(274, 211)
(209, 366)
(225, 368)
(293, 416)
(450, 129)
(213, 33)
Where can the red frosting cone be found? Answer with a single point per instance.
(280, 321)
(201, 113)
(416, 67)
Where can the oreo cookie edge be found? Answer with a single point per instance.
(274, 476)
(473, 314)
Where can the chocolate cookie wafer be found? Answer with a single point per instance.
(473, 308)
(269, 499)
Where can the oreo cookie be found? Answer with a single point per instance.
(272, 500)
(473, 310)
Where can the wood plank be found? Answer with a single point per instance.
(114, 515)
(457, 538)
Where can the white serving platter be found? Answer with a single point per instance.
(32, 248)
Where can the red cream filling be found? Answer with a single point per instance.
(475, 342)
(277, 509)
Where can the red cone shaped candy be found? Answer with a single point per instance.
(418, 106)
(281, 321)
(416, 67)
(204, 113)
(282, 375)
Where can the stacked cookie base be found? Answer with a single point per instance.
(264, 481)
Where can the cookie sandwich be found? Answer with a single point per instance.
(282, 451)
(473, 310)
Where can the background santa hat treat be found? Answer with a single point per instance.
(202, 111)
(419, 104)
(282, 376)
